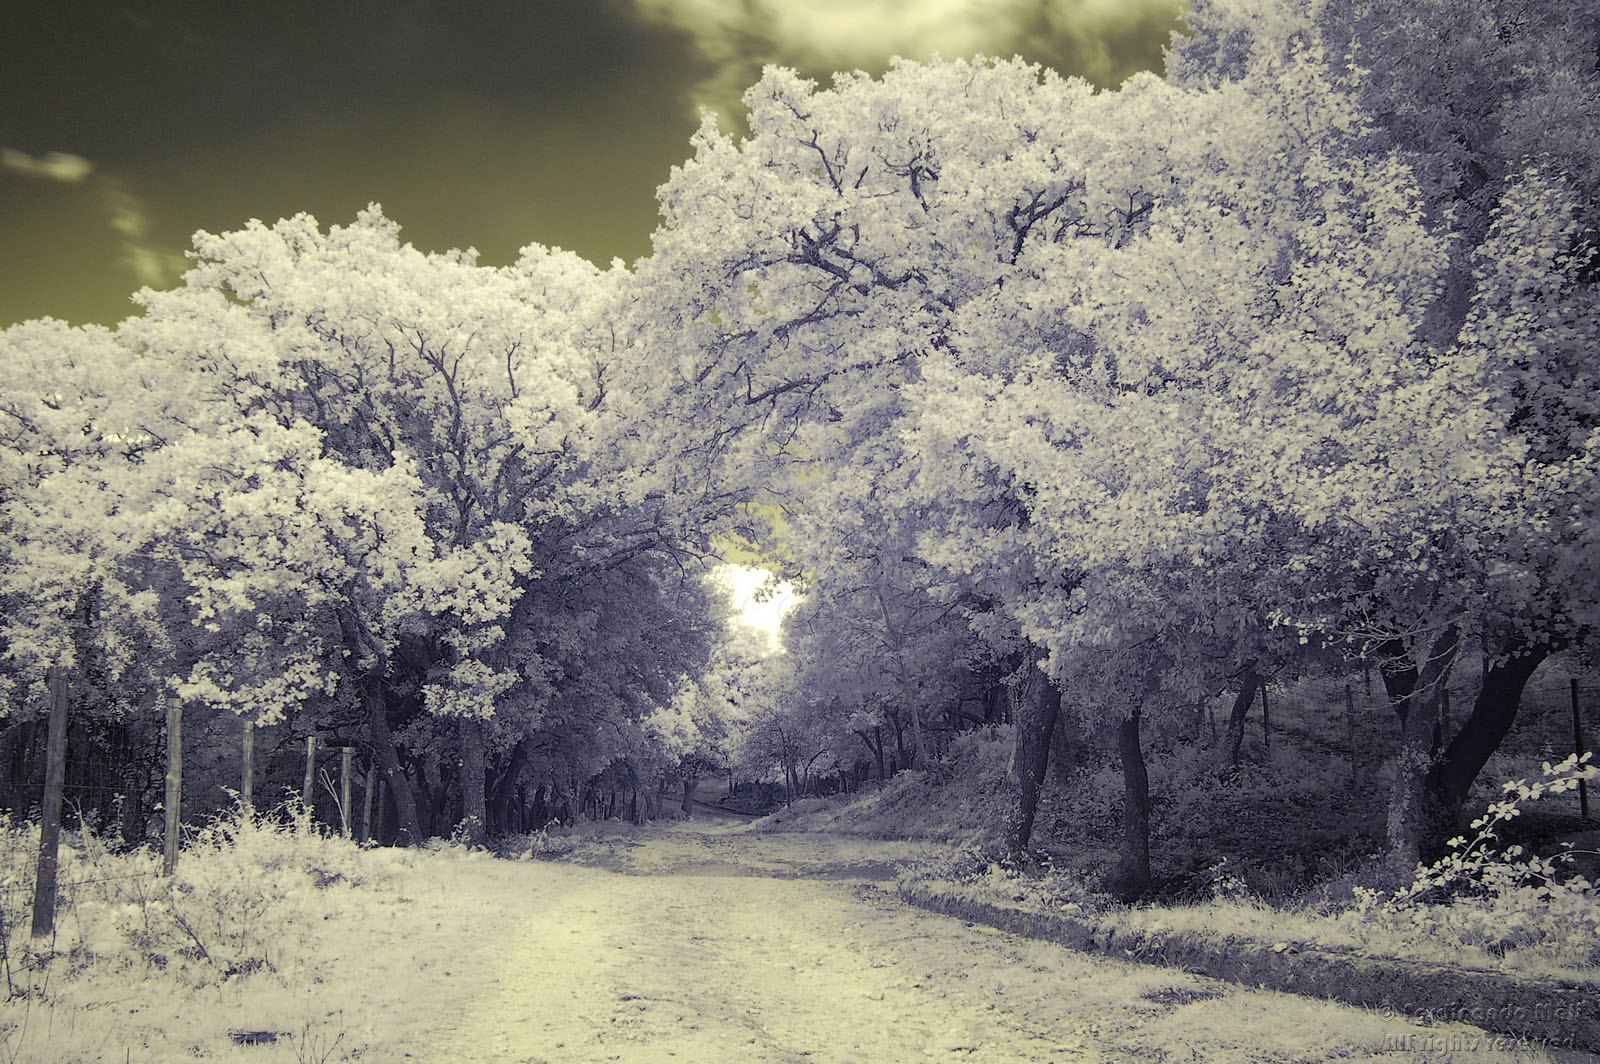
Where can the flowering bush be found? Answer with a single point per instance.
(1501, 900)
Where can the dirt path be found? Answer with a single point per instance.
(716, 949)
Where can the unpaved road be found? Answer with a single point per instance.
(703, 943)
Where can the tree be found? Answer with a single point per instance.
(1484, 550)
(1221, 412)
(81, 425)
(808, 273)
(402, 429)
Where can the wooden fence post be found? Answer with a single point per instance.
(1266, 720)
(55, 776)
(247, 771)
(345, 818)
(1578, 748)
(174, 803)
(1350, 731)
(308, 796)
(366, 801)
(379, 803)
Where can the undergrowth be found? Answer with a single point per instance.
(1500, 900)
(1483, 905)
(247, 898)
(958, 801)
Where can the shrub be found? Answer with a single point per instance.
(1500, 899)
(236, 903)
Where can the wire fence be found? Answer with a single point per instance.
(26, 890)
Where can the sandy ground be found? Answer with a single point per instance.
(705, 944)
(701, 943)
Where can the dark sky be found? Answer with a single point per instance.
(125, 127)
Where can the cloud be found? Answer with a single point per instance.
(129, 217)
(54, 166)
(149, 264)
(1103, 40)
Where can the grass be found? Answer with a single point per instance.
(236, 956)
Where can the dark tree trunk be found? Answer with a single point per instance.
(1131, 877)
(1399, 675)
(1249, 680)
(474, 826)
(1415, 816)
(1067, 746)
(541, 806)
(55, 773)
(435, 793)
(1035, 720)
(690, 785)
(995, 704)
(501, 801)
(874, 745)
(408, 828)
(387, 818)
(1493, 713)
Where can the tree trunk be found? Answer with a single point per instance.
(1399, 676)
(55, 774)
(386, 816)
(902, 758)
(408, 830)
(873, 748)
(505, 788)
(1266, 724)
(308, 787)
(1035, 720)
(346, 814)
(174, 800)
(247, 770)
(474, 802)
(1131, 878)
(541, 807)
(1249, 680)
(919, 745)
(430, 792)
(1415, 816)
(690, 785)
(1412, 815)
(1493, 713)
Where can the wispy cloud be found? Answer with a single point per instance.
(1099, 39)
(52, 166)
(128, 215)
(149, 263)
